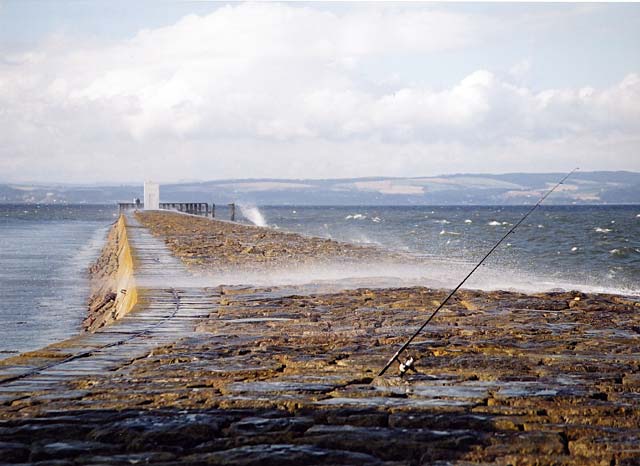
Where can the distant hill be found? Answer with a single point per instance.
(462, 189)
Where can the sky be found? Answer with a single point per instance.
(178, 90)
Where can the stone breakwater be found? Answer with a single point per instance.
(286, 376)
(211, 246)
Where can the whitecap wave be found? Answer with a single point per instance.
(494, 223)
(624, 251)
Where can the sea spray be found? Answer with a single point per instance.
(532, 255)
(253, 214)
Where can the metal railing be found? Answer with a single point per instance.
(197, 208)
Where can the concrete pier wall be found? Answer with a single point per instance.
(114, 291)
(125, 273)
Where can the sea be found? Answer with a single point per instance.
(589, 248)
(45, 251)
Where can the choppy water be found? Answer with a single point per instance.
(592, 248)
(44, 255)
(45, 252)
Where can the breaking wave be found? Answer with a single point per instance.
(253, 214)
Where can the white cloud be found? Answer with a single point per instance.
(290, 84)
(521, 69)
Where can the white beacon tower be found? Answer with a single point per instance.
(151, 195)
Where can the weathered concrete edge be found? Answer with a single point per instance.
(125, 276)
(113, 290)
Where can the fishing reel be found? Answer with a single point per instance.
(406, 366)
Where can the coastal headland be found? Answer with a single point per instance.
(228, 355)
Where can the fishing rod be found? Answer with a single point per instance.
(409, 363)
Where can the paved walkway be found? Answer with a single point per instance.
(163, 314)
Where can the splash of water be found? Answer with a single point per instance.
(253, 214)
(432, 273)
